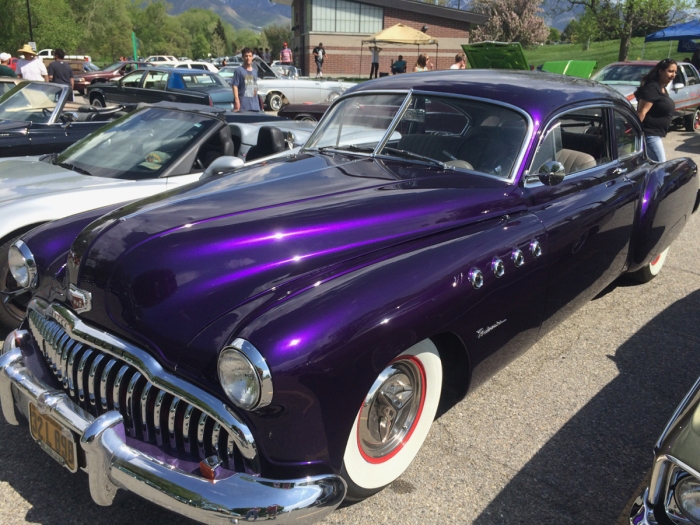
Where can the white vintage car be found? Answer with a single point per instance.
(154, 149)
(278, 90)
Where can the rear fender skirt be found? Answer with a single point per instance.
(667, 200)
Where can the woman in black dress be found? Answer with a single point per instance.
(655, 107)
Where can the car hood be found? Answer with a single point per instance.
(624, 89)
(22, 178)
(165, 267)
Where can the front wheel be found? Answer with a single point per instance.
(98, 101)
(692, 122)
(393, 421)
(274, 101)
(651, 270)
(305, 117)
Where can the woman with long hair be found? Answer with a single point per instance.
(421, 64)
(655, 107)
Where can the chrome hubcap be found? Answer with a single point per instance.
(390, 410)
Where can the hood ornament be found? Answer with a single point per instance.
(80, 300)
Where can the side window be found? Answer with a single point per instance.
(577, 139)
(132, 79)
(627, 137)
(691, 75)
(156, 80)
(198, 66)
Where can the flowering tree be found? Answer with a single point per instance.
(511, 21)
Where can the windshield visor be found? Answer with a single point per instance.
(456, 133)
(34, 102)
(140, 146)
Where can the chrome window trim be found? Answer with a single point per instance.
(151, 370)
(59, 105)
(640, 133)
(511, 179)
(529, 184)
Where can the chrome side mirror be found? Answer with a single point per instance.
(679, 85)
(551, 173)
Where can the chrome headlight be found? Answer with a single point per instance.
(245, 376)
(688, 498)
(22, 265)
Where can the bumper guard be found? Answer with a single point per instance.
(113, 465)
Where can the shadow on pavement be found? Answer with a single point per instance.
(690, 144)
(587, 471)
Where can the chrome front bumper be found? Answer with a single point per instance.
(111, 464)
(641, 513)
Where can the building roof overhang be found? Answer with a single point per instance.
(420, 8)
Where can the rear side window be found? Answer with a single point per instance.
(628, 138)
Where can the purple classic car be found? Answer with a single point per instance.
(269, 342)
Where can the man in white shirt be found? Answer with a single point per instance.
(460, 62)
(33, 68)
(375, 62)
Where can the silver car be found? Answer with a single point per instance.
(685, 91)
(278, 90)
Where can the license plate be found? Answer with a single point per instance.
(53, 437)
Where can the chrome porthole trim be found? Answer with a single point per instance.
(262, 371)
(476, 278)
(498, 267)
(518, 257)
(535, 248)
(32, 277)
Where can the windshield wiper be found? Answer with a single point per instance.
(410, 155)
(74, 168)
(349, 147)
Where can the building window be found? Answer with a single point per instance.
(342, 16)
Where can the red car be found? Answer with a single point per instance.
(112, 72)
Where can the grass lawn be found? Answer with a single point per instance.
(603, 52)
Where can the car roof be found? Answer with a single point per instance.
(534, 91)
(183, 70)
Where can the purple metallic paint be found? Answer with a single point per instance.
(332, 265)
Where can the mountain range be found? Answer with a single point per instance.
(255, 14)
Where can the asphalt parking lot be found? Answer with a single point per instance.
(562, 435)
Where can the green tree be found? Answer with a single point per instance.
(276, 35)
(554, 34)
(218, 48)
(200, 47)
(624, 19)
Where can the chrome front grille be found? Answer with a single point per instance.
(100, 382)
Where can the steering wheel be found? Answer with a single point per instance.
(46, 112)
(459, 164)
(198, 164)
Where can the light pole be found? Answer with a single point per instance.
(29, 16)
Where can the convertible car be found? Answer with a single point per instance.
(36, 118)
(270, 342)
(278, 88)
(672, 497)
(154, 149)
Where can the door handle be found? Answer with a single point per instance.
(619, 171)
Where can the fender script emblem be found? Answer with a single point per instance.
(483, 331)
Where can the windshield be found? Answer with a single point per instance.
(114, 66)
(448, 132)
(227, 72)
(622, 73)
(33, 102)
(89, 66)
(139, 146)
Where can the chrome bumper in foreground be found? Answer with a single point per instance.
(641, 513)
(111, 464)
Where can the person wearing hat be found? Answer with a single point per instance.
(286, 55)
(319, 55)
(32, 68)
(5, 69)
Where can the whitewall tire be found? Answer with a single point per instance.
(651, 270)
(394, 420)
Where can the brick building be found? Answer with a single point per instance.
(342, 25)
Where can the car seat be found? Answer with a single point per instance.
(270, 141)
(218, 145)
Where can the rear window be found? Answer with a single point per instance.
(200, 80)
